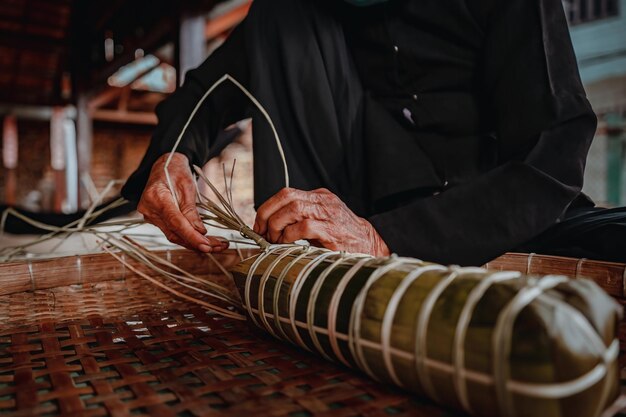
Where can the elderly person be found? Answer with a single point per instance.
(451, 131)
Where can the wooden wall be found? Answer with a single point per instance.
(117, 150)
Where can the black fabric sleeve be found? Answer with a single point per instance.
(544, 125)
(226, 105)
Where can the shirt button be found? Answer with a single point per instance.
(445, 183)
(395, 48)
(408, 115)
(415, 97)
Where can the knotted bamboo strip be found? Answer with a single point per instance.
(30, 275)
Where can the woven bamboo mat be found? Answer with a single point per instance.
(123, 347)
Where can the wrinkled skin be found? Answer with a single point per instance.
(320, 217)
(180, 223)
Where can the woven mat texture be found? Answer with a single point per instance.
(125, 347)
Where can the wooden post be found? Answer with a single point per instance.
(81, 69)
(616, 145)
(10, 187)
(10, 159)
(84, 146)
(57, 157)
(192, 43)
(59, 190)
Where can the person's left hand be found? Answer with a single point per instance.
(320, 217)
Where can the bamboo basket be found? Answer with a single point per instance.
(610, 276)
(86, 336)
(488, 343)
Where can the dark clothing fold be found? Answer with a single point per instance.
(585, 232)
(460, 129)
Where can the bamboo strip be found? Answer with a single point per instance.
(33, 275)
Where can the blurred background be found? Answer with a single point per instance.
(598, 31)
(79, 82)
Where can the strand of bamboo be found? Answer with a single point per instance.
(30, 275)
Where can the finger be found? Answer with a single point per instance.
(215, 243)
(218, 243)
(175, 221)
(274, 203)
(160, 209)
(190, 212)
(169, 235)
(172, 229)
(307, 229)
(295, 211)
(264, 212)
(188, 207)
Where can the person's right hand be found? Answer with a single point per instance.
(180, 223)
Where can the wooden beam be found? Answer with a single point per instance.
(109, 94)
(10, 187)
(33, 112)
(217, 26)
(106, 96)
(122, 104)
(155, 38)
(130, 117)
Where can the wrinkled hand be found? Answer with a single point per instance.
(180, 223)
(320, 217)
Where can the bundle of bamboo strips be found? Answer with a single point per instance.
(489, 343)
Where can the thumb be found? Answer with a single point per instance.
(191, 214)
(187, 206)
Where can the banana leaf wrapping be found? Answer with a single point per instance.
(492, 344)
